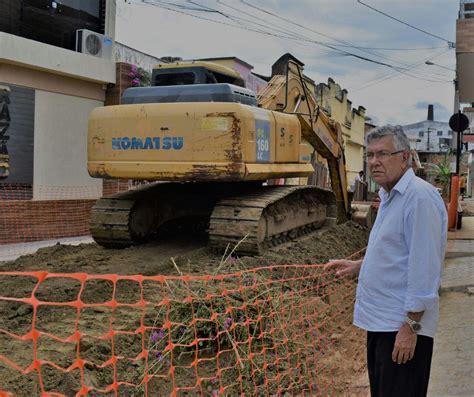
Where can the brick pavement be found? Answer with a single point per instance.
(452, 371)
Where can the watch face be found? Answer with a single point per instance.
(416, 326)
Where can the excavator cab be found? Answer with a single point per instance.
(189, 73)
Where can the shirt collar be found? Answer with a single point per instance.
(401, 186)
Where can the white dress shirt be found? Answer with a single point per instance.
(402, 268)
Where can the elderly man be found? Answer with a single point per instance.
(397, 291)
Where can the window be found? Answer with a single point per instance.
(52, 22)
(450, 133)
(176, 78)
(469, 7)
(421, 134)
(440, 133)
(223, 78)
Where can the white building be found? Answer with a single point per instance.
(50, 89)
(430, 136)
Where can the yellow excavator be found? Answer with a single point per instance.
(208, 144)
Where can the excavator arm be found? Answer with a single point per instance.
(289, 93)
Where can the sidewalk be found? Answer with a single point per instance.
(9, 252)
(452, 370)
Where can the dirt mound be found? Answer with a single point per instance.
(191, 256)
(166, 257)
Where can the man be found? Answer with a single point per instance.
(358, 178)
(397, 291)
(462, 185)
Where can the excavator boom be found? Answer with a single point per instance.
(289, 93)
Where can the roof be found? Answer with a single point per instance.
(468, 138)
(225, 58)
(425, 123)
(261, 76)
(215, 67)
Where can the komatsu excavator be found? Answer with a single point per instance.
(210, 144)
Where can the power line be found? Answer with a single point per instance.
(327, 36)
(164, 5)
(450, 43)
(334, 44)
(293, 35)
(168, 6)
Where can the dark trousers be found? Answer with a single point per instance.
(389, 379)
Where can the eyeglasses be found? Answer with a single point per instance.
(381, 155)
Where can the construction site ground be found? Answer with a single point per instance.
(452, 371)
(175, 254)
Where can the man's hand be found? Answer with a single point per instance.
(405, 343)
(346, 267)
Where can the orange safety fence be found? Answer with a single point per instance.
(271, 331)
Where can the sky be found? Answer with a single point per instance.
(260, 31)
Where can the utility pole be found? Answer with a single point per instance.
(428, 143)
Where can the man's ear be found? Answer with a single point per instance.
(406, 156)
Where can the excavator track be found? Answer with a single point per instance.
(109, 224)
(246, 218)
(135, 216)
(269, 216)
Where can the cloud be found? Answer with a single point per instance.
(386, 93)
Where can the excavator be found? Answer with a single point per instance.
(206, 145)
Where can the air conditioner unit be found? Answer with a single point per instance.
(93, 43)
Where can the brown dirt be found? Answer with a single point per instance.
(191, 257)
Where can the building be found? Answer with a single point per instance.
(465, 51)
(49, 89)
(429, 136)
(334, 101)
(468, 147)
(252, 81)
(465, 79)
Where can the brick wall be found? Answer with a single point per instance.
(25, 221)
(112, 186)
(464, 35)
(114, 92)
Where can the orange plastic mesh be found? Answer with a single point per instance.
(276, 331)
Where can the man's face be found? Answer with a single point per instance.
(386, 170)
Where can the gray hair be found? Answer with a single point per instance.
(399, 137)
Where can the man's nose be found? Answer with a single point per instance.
(373, 160)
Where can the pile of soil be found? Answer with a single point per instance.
(171, 256)
(190, 254)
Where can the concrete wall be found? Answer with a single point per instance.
(39, 56)
(60, 152)
(46, 81)
(334, 101)
(465, 59)
(420, 143)
(123, 53)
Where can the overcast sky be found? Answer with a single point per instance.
(396, 96)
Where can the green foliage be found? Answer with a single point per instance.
(441, 173)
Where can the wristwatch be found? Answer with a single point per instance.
(415, 326)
